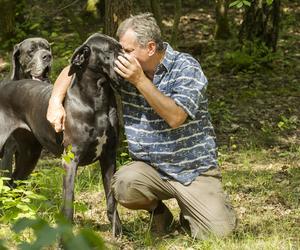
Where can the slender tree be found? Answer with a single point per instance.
(115, 12)
(222, 30)
(7, 19)
(178, 8)
(156, 10)
(261, 22)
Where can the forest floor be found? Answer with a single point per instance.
(255, 111)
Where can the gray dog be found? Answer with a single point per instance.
(31, 59)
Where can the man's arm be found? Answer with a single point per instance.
(56, 113)
(165, 107)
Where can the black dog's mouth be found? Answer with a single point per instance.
(44, 76)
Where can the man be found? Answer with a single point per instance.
(169, 133)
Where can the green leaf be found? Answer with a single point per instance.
(68, 154)
(37, 197)
(245, 2)
(239, 5)
(45, 236)
(67, 159)
(71, 155)
(234, 3)
(23, 207)
(2, 247)
(23, 223)
(1, 185)
(92, 238)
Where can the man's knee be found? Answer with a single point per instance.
(131, 191)
(219, 228)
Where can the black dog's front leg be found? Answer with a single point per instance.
(108, 168)
(68, 188)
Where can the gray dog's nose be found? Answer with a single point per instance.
(46, 57)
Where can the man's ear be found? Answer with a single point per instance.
(79, 59)
(151, 48)
(16, 67)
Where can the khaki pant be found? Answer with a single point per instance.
(203, 203)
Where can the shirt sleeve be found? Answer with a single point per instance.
(188, 91)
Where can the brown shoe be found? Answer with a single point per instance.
(162, 219)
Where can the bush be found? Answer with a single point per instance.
(250, 56)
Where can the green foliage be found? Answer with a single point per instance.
(47, 235)
(91, 6)
(250, 56)
(220, 111)
(241, 3)
(18, 202)
(47, 181)
(68, 155)
(41, 195)
(123, 158)
(286, 123)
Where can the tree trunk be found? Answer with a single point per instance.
(101, 10)
(261, 22)
(7, 19)
(222, 30)
(178, 8)
(155, 7)
(115, 12)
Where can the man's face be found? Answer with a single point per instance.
(132, 47)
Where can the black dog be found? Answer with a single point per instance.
(91, 125)
(31, 59)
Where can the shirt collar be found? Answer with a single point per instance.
(169, 56)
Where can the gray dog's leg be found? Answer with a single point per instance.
(9, 150)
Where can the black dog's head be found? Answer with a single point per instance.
(31, 59)
(98, 54)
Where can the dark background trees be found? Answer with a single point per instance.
(20, 19)
(228, 37)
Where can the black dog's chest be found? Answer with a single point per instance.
(88, 133)
(98, 146)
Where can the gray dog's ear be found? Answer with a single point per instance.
(79, 59)
(16, 66)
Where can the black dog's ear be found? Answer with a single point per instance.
(79, 59)
(16, 66)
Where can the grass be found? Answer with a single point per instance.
(263, 186)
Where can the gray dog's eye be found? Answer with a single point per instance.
(31, 51)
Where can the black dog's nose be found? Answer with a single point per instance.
(46, 57)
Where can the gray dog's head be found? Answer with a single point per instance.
(31, 59)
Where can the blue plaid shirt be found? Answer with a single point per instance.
(181, 153)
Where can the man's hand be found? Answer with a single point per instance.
(56, 114)
(129, 68)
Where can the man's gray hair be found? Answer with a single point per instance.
(145, 27)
